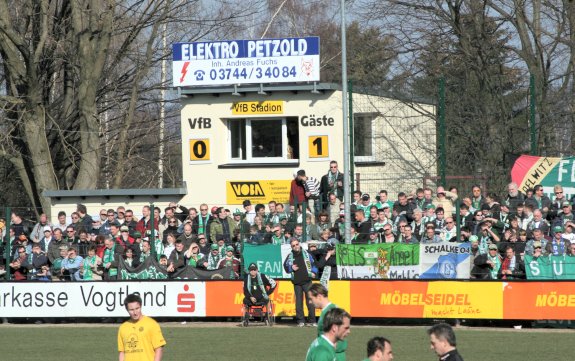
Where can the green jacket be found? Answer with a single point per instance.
(341, 346)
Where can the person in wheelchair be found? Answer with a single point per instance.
(257, 288)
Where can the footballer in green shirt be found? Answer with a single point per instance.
(336, 328)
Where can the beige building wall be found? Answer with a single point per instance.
(209, 179)
(403, 144)
(402, 138)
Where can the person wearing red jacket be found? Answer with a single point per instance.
(297, 190)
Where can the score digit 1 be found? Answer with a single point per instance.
(318, 146)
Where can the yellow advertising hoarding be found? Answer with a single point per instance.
(260, 191)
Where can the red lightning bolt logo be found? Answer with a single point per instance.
(184, 71)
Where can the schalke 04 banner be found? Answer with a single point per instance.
(246, 61)
(445, 260)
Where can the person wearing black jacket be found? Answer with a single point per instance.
(300, 265)
(512, 266)
(327, 258)
(362, 228)
(332, 182)
(486, 266)
(176, 261)
(182, 215)
(442, 339)
(257, 287)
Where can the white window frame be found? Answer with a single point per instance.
(248, 145)
(372, 157)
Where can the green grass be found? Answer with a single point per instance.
(195, 342)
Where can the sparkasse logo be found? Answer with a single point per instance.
(186, 301)
(247, 189)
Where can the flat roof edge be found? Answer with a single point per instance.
(116, 192)
(255, 88)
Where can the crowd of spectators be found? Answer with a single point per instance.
(501, 230)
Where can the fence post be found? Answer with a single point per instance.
(304, 221)
(8, 242)
(351, 139)
(152, 229)
(532, 130)
(458, 220)
(441, 110)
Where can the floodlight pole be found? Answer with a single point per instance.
(346, 157)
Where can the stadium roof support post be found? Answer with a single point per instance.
(314, 90)
(236, 93)
(346, 135)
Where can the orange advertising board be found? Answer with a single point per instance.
(415, 299)
(225, 298)
(539, 300)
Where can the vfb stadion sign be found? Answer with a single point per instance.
(246, 61)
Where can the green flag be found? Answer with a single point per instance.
(268, 258)
(550, 267)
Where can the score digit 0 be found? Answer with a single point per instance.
(318, 146)
(199, 149)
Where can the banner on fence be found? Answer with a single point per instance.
(444, 260)
(150, 269)
(550, 267)
(529, 171)
(269, 258)
(378, 261)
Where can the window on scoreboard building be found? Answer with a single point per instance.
(264, 139)
(363, 136)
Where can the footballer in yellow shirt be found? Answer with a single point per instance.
(140, 338)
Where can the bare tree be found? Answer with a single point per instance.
(486, 51)
(80, 77)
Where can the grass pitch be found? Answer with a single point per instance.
(201, 341)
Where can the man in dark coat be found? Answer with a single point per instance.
(442, 339)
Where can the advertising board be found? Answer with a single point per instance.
(246, 61)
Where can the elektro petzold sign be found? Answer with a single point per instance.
(529, 171)
(246, 61)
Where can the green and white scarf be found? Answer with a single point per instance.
(88, 263)
(332, 179)
(143, 256)
(306, 260)
(201, 224)
(278, 240)
(213, 261)
(259, 284)
(497, 261)
(109, 258)
(324, 280)
(159, 247)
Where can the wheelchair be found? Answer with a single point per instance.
(261, 312)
